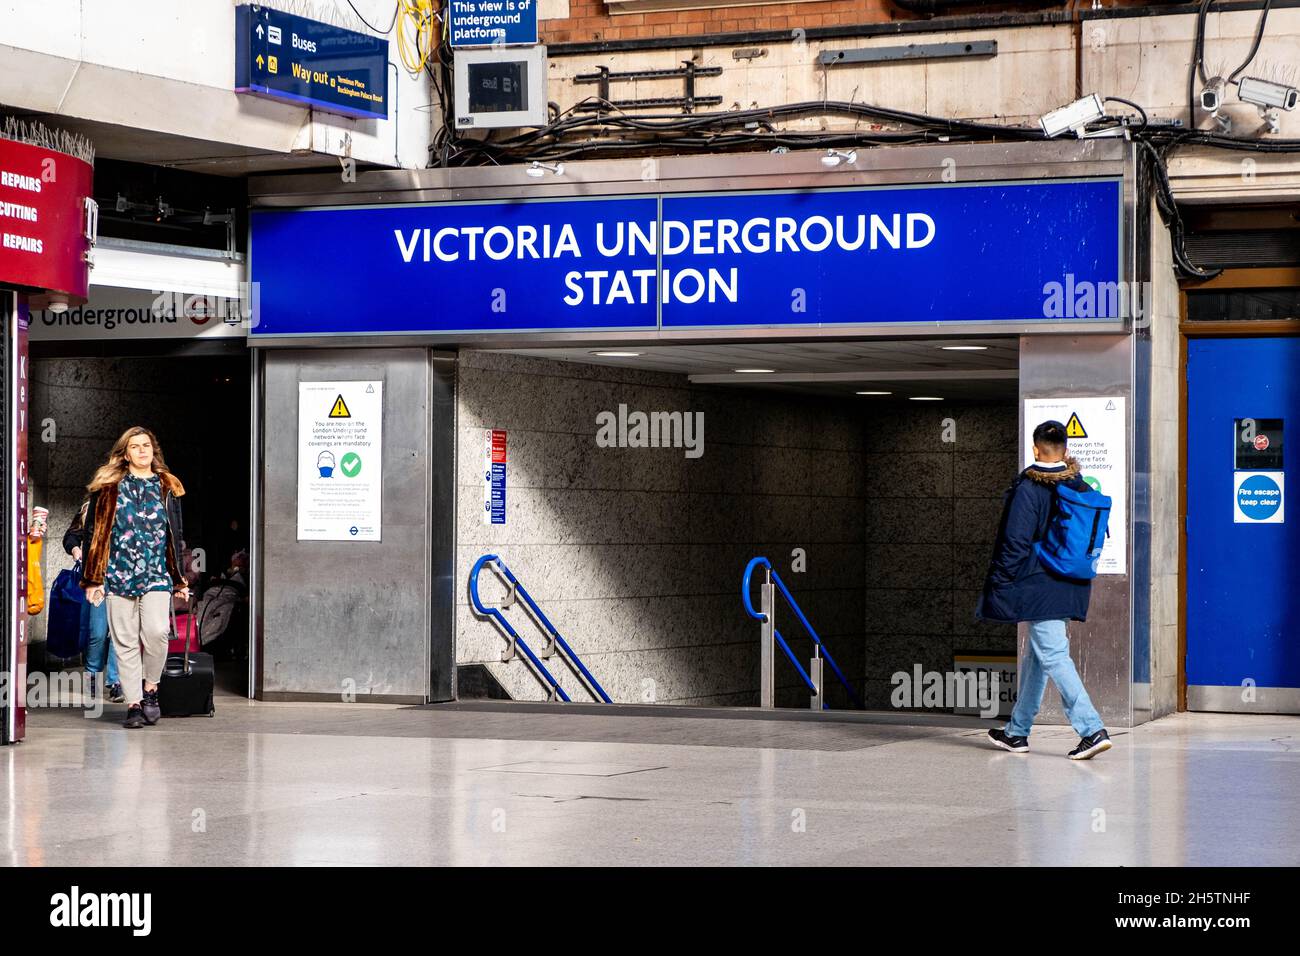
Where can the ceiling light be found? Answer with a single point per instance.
(964, 348)
(1073, 118)
(835, 157)
(56, 303)
(926, 398)
(753, 371)
(617, 354)
(875, 393)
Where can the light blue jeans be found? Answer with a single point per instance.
(94, 635)
(1049, 656)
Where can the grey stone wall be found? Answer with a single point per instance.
(932, 513)
(84, 404)
(636, 554)
(1165, 444)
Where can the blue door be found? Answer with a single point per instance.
(1243, 525)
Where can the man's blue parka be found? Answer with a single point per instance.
(1018, 586)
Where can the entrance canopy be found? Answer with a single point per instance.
(937, 240)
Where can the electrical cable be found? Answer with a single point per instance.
(1197, 66)
(396, 7)
(1130, 103)
(416, 49)
(1168, 208)
(1259, 35)
(610, 131)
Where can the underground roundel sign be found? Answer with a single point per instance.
(1258, 497)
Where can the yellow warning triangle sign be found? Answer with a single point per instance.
(1073, 428)
(340, 409)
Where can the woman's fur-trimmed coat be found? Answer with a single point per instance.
(97, 531)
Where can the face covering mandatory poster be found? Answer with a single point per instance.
(340, 447)
(1095, 431)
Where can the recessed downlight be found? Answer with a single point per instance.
(617, 354)
(925, 398)
(753, 371)
(875, 393)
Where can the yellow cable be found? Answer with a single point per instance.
(416, 49)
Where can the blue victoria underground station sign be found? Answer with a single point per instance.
(955, 254)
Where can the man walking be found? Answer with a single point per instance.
(1020, 587)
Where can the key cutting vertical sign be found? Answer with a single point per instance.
(494, 476)
(17, 722)
(340, 451)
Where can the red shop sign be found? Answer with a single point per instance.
(43, 219)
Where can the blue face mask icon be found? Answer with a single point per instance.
(325, 462)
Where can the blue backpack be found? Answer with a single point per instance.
(1076, 531)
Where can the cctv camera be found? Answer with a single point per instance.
(1266, 94)
(1212, 95)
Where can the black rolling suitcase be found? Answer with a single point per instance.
(187, 681)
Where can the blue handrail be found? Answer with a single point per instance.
(569, 653)
(798, 612)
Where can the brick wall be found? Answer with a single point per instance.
(589, 20)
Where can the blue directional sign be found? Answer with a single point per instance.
(492, 22)
(304, 61)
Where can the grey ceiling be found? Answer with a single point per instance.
(904, 368)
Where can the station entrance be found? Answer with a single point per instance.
(194, 396)
(571, 476)
(635, 486)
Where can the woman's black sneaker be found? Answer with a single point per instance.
(150, 706)
(1017, 745)
(1091, 746)
(115, 693)
(134, 717)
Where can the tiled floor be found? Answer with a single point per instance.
(502, 784)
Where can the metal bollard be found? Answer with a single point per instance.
(815, 672)
(767, 652)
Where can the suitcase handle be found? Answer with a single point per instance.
(189, 633)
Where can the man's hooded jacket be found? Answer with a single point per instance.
(1019, 587)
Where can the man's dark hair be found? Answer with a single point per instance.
(1050, 436)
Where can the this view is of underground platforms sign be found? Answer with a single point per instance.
(1003, 252)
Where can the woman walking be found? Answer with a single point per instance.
(133, 560)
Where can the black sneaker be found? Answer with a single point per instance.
(150, 706)
(115, 694)
(1017, 745)
(134, 717)
(1091, 746)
